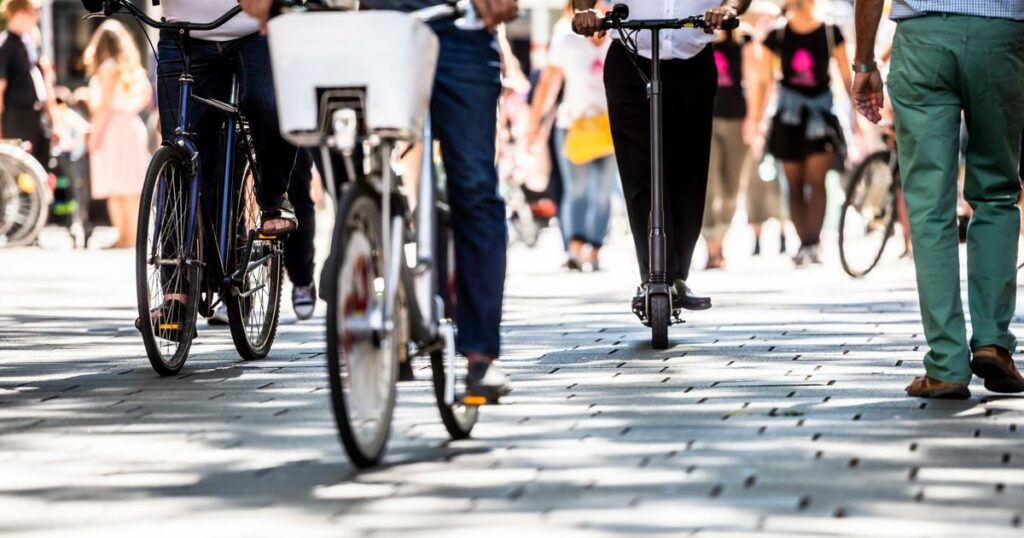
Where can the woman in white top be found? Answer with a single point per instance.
(578, 63)
(118, 144)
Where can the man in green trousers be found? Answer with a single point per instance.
(951, 57)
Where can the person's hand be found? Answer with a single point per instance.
(258, 9)
(715, 17)
(495, 12)
(867, 95)
(588, 23)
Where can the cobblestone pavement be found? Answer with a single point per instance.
(779, 412)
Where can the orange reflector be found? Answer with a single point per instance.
(26, 184)
(168, 326)
(266, 237)
(474, 400)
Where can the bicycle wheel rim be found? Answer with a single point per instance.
(868, 215)
(26, 194)
(166, 265)
(253, 317)
(362, 359)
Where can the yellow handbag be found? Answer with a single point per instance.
(588, 139)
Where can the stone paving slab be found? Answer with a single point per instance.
(779, 412)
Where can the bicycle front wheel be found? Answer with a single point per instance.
(254, 264)
(362, 354)
(168, 263)
(868, 216)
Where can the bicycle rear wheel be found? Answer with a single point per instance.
(254, 263)
(868, 216)
(362, 357)
(448, 370)
(167, 265)
(26, 196)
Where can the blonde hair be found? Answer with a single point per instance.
(113, 42)
(13, 7)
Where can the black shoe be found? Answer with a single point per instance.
(486, 383)
(683, 297)
(757, 246)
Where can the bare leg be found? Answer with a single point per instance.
(815, 168)
(116, 216)
(797, 200)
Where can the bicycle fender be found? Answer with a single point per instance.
(188, 151)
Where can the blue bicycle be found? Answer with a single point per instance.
(198, 243)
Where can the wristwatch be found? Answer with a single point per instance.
(865, 68)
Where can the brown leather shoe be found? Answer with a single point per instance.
(926, 387)
(995, 366)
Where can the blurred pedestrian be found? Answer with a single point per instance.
(731, 134)
(805, 133)
(952, 57)
(583, 137)
(118, 143)
(24, 111)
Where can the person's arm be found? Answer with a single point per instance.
(587, 21)
(866, 89)
(106, 78)
(759, 97)
(544, 97)
(751, 55)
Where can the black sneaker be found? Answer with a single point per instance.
(486, 383)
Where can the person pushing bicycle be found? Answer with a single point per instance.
(690, 81)
(463, 106)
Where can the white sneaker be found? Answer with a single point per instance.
(219, 317)
(814, 254)
(800, 259)
(304, 301)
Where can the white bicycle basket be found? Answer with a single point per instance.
(380, 63)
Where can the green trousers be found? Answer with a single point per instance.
(943, 65)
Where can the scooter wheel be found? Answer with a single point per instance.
(659, 317)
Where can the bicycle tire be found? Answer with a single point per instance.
(164, 192)
(28, 196)
(857, 179)
(252, 319)
(659, 315)
(458, 418)
(352, 268)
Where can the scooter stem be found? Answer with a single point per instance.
(656, 241)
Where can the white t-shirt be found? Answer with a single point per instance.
(679, 44)
(582, 63)
(203, 11)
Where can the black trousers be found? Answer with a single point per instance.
(688, 97)
(29, 125)
(298, 247)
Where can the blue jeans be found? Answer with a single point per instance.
(463, 108)
(213, 65)
(586, 197)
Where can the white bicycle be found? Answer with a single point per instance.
(389, 280)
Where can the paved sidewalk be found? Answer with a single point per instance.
(779, 412)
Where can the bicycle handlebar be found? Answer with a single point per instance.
(107, 8)
(617, 19)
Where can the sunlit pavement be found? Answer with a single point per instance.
(779, 412)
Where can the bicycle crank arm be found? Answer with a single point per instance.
(247, 293)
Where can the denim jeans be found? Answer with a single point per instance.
(586, 197)
(213, 66)
(463, 108)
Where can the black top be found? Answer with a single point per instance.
(730, 102)
(805, 57)
(16, 69)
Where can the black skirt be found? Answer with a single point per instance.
(790, 142)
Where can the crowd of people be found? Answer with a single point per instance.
(767, 111)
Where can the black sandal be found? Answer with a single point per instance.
(169, 320)
(286, 212)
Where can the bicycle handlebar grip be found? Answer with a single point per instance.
(731, 24)
(94, 6)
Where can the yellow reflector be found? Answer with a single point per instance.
(474, 400)
(168, 326)
(26, 184)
